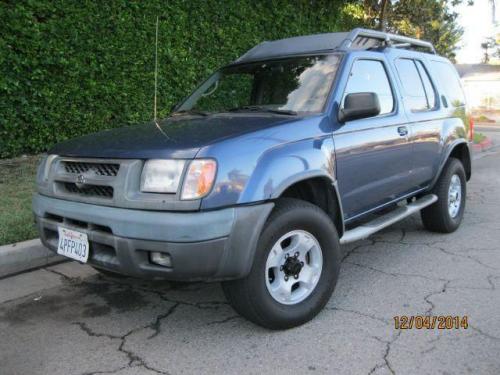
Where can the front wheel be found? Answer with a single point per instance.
(295, 268)
(446, 214)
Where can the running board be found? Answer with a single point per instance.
(367, 229)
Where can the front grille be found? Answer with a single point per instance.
(98, 191)
(95, 181)
(99, 169)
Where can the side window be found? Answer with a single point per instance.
(429, 89)
(449, 82)
(370, 76)
(412, 85)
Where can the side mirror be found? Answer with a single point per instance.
(359, 105)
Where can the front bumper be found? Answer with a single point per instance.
(208, 246)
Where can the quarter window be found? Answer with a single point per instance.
(450, 82)
(370, 76)
(415, 93)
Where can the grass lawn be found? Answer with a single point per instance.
(17, 183)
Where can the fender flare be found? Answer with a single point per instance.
(449, 151)
(308, 175)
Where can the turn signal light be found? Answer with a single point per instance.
(199, 178)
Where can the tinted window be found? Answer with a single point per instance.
(300, 84)
(429, 89)
(450, 83)
(412, 85)
(370, 76)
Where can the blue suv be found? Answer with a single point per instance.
(259, 176)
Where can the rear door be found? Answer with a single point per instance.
(425, 121)
(373, 154)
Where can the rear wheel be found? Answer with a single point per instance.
(295, 268)
(445, 215)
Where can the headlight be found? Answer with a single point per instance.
(161, 176)
(44, 167)
(199, 179)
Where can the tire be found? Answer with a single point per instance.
(437, 217)
(252, 297)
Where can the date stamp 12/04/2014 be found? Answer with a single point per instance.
(431, 322)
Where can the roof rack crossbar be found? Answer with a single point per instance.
(387, 38)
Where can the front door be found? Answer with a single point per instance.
(373, 155)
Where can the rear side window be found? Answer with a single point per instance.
(429, 89)
(418, 89)
(449, 82)
(370, 76)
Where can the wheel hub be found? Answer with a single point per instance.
(292, 266)
(454, 196)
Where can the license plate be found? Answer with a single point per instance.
(73, 244)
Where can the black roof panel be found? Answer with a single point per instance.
(293, 46)
(355, 39)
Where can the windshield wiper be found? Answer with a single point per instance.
(256, 108)
(190, 112)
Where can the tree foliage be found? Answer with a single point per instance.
(490, 43)
(433, 20)
(68, 68)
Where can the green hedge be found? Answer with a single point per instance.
(69, 68)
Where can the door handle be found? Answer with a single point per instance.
(403, 131)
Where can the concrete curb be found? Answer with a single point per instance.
(23, 256)
(484, 145)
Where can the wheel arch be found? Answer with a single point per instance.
(459, 150)
(319, 190)
(462, 152)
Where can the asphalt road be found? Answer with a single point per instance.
(66, 319)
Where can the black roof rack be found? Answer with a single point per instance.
(355, 39)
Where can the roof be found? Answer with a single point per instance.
(294, 46)
(355, 39)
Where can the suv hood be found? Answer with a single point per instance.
(179, 137)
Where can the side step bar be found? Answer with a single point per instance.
(367, 229)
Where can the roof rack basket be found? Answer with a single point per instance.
(364, 38)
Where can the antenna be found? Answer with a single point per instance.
(156, 70)
(155, 120)
(156, 82)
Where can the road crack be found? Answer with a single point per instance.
(353, 250)
(395, 274)
(360, 313)
(387, 364)
(470, 257)
(482, 333)
(226, 320)
(134, 360)
(156, 325)
(443, 289)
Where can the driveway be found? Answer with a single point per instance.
(67, 319)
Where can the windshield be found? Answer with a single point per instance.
(290, 86)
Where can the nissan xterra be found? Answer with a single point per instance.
(259, 176)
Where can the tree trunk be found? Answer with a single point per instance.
(382, 21)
